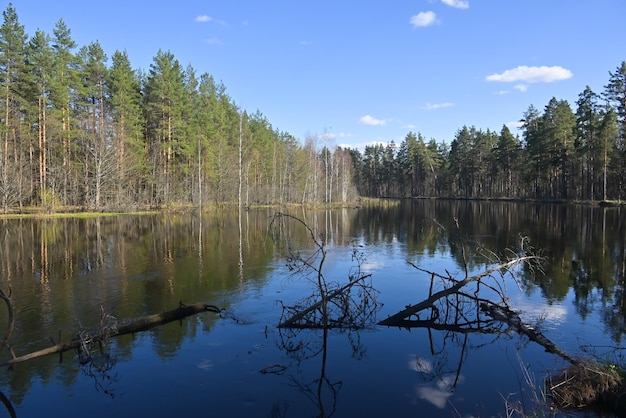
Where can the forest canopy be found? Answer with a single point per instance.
(80, 129)
(563, 153)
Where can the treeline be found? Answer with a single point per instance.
(79, 131)
(562, 154)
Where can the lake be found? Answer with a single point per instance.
(68, 275)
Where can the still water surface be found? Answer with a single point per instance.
(64, 272)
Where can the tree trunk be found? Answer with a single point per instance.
(127, 327)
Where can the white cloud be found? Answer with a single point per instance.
(533, 311)
(369, 120)
(543, 74)
(515, 124)
(213, 41)
(458, 4)
(421, 365)
(327, 136)
(439, 393)
(423, 19)
(203, 18)
(521, 87)
(433, 106)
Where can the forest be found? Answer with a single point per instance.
(562, 154)
(79, 131)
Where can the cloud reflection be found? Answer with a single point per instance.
(439, 392)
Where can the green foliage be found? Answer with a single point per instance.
(561, 155)
(99, 134)
(49, 200)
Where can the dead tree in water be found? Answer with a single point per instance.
(350, 305)
(109, 327)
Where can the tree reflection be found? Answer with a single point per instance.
(344, 307)
(101, 368)
(459, 307)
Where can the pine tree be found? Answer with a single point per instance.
(63, 91)
(12, 76)
(124, 87)
(40, 59)
(163, 106)
(615, 92)
(557, 128)
(95, 147)
(506, 160)
(588, 147)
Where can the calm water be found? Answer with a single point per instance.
(64, 272)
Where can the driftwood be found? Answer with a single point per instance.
(127, 327)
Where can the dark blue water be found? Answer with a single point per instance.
(239, 363)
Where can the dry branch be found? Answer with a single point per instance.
(292, 322)
(127, 327)
(397, 319)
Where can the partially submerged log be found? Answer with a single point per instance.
(400, 318)
(126, 327)
(506, 315)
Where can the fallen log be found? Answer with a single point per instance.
(508, 316)
(398, 319)
(123, 328)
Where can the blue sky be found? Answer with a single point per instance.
(354, 73)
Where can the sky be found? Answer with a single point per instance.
(352, 73)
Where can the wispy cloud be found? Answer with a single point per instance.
(433, 106)
(203, 18)
(543, 74)
(521, 87)
(514, 124)
(305, 43)
(458, 4)
(213, 41)
(423, 19)
(372, 121)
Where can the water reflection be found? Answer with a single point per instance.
(585, 246)
(348, 306)
(62, 271)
